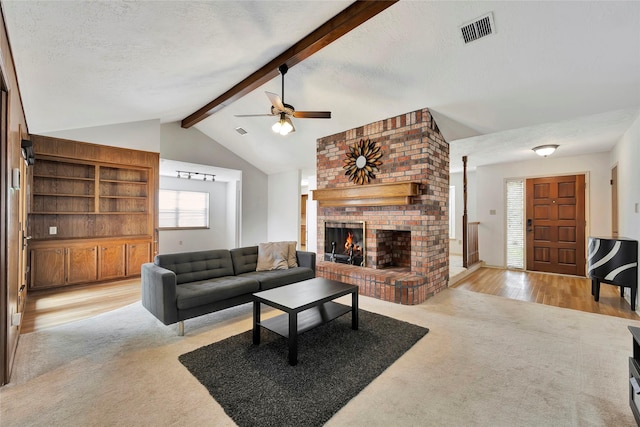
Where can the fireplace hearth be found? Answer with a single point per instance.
(345, 242)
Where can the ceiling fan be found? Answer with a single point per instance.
(284, 111)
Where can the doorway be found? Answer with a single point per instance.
(556, 224)
(614, 202)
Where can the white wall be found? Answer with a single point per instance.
(284, 206)
(490, 182)
(216, 237)
(312, 217)
(143, 135)
(626, 155)
(191, 145)
(456, 179)
(234, 213)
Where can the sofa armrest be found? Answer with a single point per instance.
(159, 293)
(307, 259)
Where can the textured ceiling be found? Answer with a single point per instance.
(554, 72)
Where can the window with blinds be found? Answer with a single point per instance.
(183, 209)
(452, 211)
(515, 223)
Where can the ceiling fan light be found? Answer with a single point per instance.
(282, 126)
(286, 127)
(545, 150)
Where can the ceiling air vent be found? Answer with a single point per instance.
(478, 28)
(241, 131)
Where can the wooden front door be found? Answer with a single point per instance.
(556, 225)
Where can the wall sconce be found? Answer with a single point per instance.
(27, 152)
(545, 150)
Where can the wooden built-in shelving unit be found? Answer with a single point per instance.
(101, 203)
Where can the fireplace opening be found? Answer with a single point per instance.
(344, 242)
(392, 249)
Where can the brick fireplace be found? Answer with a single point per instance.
(406, 243)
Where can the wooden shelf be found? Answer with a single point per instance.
(90, 213)
(116, 181)
(71, 178)
(63, 195)
(123, 213)
(124, 197)
(62, 213)
(392, 194)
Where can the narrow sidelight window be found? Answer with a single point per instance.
(515, 223)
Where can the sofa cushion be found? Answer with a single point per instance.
(204, 292)
(276, 278)
(273, 256)
(198, 265)
(244, 259)
(292, 261)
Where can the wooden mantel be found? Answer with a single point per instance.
(392, 194)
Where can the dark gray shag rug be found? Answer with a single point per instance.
(257, 387)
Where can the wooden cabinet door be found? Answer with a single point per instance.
(111, 261)
(137, 254)
(82, 264)
(47, 267)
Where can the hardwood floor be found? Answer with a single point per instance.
(54, 307)
(57, 306)
(551, 289)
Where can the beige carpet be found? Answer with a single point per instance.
(487, 361)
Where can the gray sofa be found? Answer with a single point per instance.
(184, 285)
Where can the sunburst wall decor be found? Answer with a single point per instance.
(363, 159)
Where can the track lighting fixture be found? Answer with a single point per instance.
(205, 176)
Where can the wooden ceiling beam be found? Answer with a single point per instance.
(351, 17)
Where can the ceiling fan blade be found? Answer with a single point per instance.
(312, 114)
(254, 115)
(275, 101)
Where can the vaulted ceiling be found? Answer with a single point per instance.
(553, 72)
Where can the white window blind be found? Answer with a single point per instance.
(452, 211)
(183, 209)
(515, 223)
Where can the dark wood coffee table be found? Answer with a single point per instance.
(306, 304)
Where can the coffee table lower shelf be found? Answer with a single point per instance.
(307, 319)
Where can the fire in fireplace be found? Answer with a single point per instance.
(344, 242)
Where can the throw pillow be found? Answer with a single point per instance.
(272, 256)
(292, 260)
